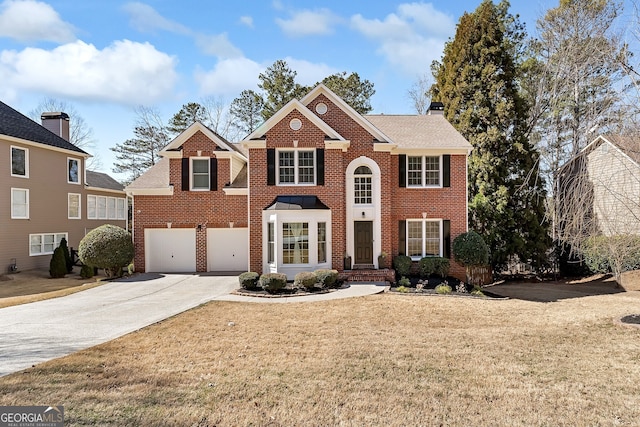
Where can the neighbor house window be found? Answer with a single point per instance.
(271, 243)
(424, 238)
(322, 242)
(362, 186)
(45, 243)
(295, 243)
(19, 203)
(423, 171)
(103, 207)
(73, 206)
(296, 167)
(200, 174)
(73, 171)
(19, 162)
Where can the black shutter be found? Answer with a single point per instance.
(446, 235)
(402, 159)
(402, 237)
(213, 174)
(320, 166)
(446, 170)
(185, 174)
(271, 166)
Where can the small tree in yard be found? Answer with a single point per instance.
(108, 247)
(57, 266)
(67, 255)
(470, 250)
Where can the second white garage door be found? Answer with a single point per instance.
(170, 250)
(228, 249)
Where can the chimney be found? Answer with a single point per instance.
(436, 109)
(56, 122)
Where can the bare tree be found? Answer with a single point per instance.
(419, 94)
(219, 118)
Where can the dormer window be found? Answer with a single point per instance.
(200, 174)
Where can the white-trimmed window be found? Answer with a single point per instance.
(103, 207)
(19, 203)
(200, 174)
(73, 171)
(44, 243)
(296, 167)
(362, 186)
(424, 171)
(322, 242)
(295, 243)
(424, 238)
(73, 206)
(271, 242)
(19, 162)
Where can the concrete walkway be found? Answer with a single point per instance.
(40, 331)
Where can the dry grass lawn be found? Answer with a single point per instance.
(384, 360)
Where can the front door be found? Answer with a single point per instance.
(364, 242)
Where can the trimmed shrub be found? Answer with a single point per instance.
(327, 278)
(108, 247)
(305, 279)
(86, 272)
(469, 249)
(434, 265)
(273, 282)
(67, 255)
(57, 265)
(249, 280)
(443, 289)
(402, 265)
(404, 282)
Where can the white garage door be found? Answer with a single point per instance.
(170, 250)
(227, 249)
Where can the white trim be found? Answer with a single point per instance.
(28, 202)
(430, 151)
(440, 222)
(79, 205)
(68, 170)
(423, 170)
(296, 166)
(106, 190)
(208, 161)
(229, 191)
(56, 242)
(166, 191)
(259, 143)
(337, 145)
(179, 140)
(26, 161)
(45, 146)
(107, 199)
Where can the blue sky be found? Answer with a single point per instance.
(106, 57)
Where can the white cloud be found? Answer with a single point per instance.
(410, 39)
(247, 20)
(308, 22)
(125, 72)
(146, 19)
(30, 20)
(309, 73)
(229, 77)
(218, 45)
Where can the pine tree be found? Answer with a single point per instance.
(279, 84)
(247, 111)
(352, 90)
(478, 82)
(188, 114)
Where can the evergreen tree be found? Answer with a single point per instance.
(279, 84)
(188, 114)
(247, 111)
(352, 90)
(478, 82)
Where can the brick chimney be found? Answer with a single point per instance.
(56, 122)
(436, 109)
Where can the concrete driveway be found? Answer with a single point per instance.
(40, 331)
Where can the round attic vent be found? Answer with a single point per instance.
(295, 124)
(321, 108)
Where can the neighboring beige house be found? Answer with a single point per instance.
(46, 192)
(605, 179)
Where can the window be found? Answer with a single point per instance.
(362, 186)
(103, 207)
(296, 167)
(73, 206)
(424, 238)
(423, 171)
(19, 203)
(271, 243)
(295, 246)
(322, 242)
(200, 174)
(44, 244)
(19, 162)
(73, 171)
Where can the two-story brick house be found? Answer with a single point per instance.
(46, 192)
(313, 184)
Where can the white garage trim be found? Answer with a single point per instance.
(170, 250)
(228, 249)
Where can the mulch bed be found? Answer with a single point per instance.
(633, 319)
(288, 291)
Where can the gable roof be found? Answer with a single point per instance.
(294, 104)
(420, 131)
(630, 146)
(221, 142)
(102, 180)
(17, 125)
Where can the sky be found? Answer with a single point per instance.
(107, 57)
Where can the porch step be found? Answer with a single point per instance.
(369, 275)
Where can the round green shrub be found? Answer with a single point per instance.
(469, 249)
(57, 265)
(108, 247)
(305, 279)
(443, 289)
(273, 282)
(249, 280)
(327, 278)
(434, 265)
(86, 272)
(402, 265)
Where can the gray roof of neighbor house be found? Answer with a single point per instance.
(102, 180)
(627, 144)
(17, 125)
(419, 131)
(157, 176)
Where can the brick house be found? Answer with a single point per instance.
(313, 184)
